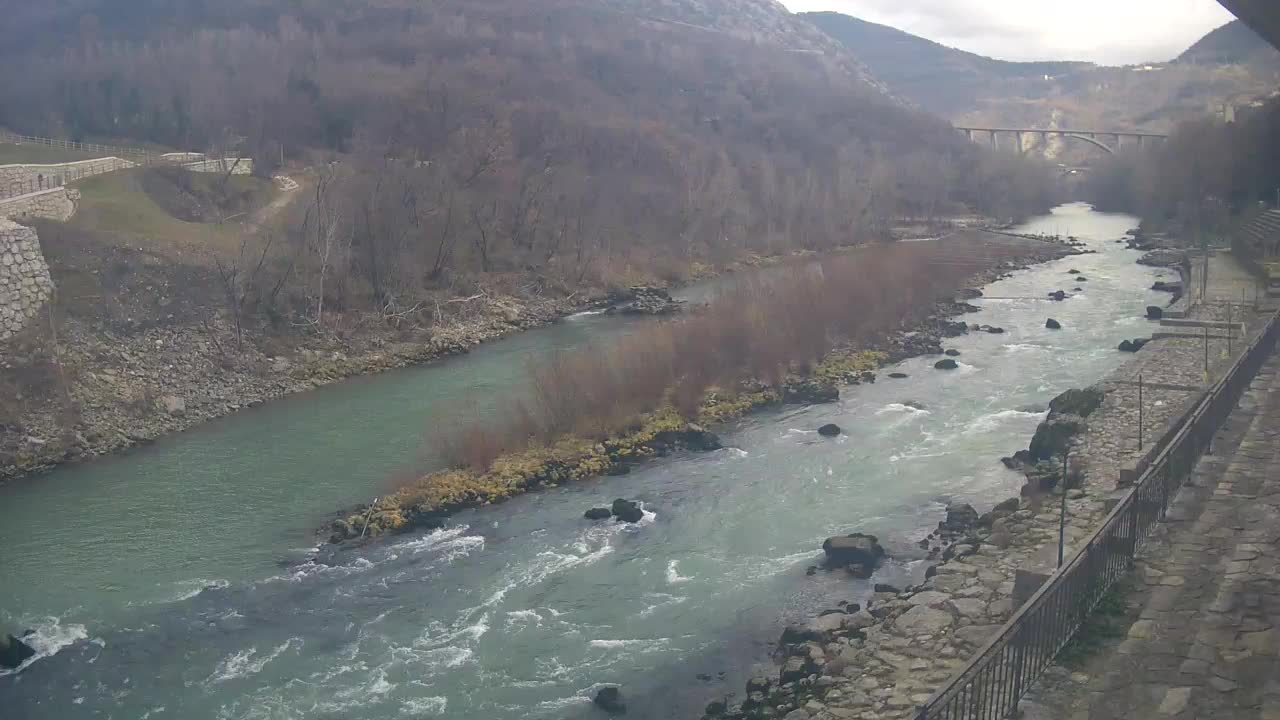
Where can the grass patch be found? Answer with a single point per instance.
(11, 154)
(1107, 623)
(119, 205)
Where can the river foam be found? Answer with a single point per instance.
(48, 636)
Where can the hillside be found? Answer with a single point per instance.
(936, 77)
(568, 137)
(1231, 43)
(1228, 65)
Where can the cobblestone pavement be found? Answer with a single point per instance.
(1205, 642)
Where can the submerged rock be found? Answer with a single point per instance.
(1052, 324)
(600, 513)
(1058, 295)
(947, 364)
(898, 375)
(627, 510)
(609, 699)
(13, 652)
(1154, 312)
(829, 430)
(952, 353)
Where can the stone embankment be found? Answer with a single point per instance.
(884, 660)
(25, 284)
(55, 204)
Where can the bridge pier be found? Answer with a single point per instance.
(1021, 147)
(995, 144)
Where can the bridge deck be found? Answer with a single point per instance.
(1062, 131)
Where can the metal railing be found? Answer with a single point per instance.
(72, 145)
(63, 174)
(992, 683)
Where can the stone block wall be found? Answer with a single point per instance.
(56, 204)
(25, 284)
(22, 179)
(242, 166)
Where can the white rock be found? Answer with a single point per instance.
(923, 620)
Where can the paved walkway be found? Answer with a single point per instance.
(1206, 640)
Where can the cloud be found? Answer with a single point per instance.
(1104, 31)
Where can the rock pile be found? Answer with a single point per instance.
(641, 300)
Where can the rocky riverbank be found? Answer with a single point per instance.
(121, 382)
(884, 660)
(425, 503)
(121, 389)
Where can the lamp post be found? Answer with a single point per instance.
(1062, 513)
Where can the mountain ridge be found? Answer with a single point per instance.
(1226, 66)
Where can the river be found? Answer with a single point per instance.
(164, 582)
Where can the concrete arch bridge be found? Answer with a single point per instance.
(1119, 139)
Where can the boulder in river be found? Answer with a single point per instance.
(1058, 295)
(859, 552)
(627, 510)
(600, 513)
(609, 699)
(1155, 312)
(960, 518)
(947, 364)
(1053, 437)
(693, 437)
(1081, 278)
(1077, 401)
(13, 652)
(1052, 324)
(1073, 271)
(829, 430)
(898, 376)
(992, 330)
(810, 392)
(952, 353)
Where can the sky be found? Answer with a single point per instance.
(1111, 32)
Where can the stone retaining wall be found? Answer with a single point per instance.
(56, 204)
(22, 179)
(25, 284)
